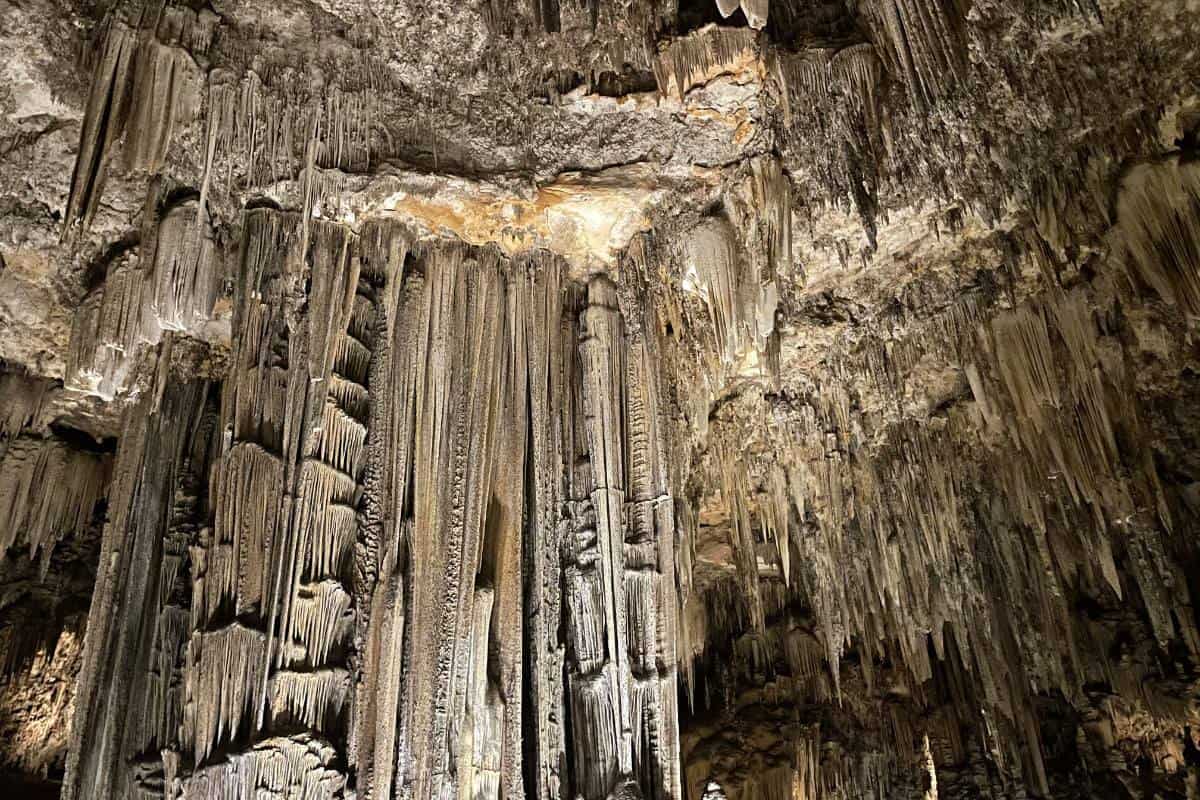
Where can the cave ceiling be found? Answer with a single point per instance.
(589, 399)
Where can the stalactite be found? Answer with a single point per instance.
(272, 124)
(718, 266)
(25, 397)
(322, 621)
(821, 74)
(771, 194)
(733, 265)
(314, 699)
(187, 271)
(1156, 214)
(225, 684)
(924, 42)
(144, 89)
(214, 581)
(163, 695)
(37, 519)
(247, 519)
(700, 56)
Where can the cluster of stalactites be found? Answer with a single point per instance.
(146, 86)
(891, 567)
(36, 698)
(172, 284)
(279, 562)
(608, 36)
(249, 619)
(26, 397)
(796, 762)
(1158, 211)
(31, 514)
(733, 261)
(817, 75)
(922, 41)
(293, 766)
(498, 383)
(262, 131)
(128, 699)
(151, 82)
(697, 58)
(833, 118)
(401, 429)
(716, 271)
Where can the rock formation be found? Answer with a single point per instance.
(656, 399)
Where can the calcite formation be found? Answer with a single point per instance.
(653, 399)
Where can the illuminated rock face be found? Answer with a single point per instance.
(663, 399)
